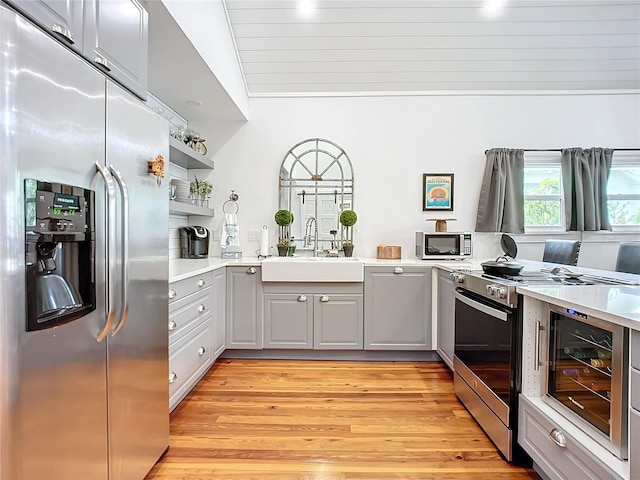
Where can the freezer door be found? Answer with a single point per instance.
(138, 352)
(53, 402)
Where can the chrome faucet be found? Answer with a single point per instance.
(311, 231)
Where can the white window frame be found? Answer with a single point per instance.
(540, 159)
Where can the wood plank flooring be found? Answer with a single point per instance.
(328, 420)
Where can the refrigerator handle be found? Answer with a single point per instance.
(124, 247)
(111, 249)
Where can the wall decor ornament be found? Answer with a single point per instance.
(437, 191)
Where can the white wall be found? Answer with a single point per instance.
(393, 140)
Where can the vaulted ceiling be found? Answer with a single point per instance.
(391, 46)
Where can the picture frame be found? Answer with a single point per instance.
(437, 192)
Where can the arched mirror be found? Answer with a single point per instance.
(316, 185)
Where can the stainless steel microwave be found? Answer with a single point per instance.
(444, 245)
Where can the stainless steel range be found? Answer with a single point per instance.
(488, 343)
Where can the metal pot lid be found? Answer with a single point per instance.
(508, 245)
(501, 263)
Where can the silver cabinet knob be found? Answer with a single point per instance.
(100, 60)
(201, 308)
(558, 437)
(302, 298)
(172, 325)
(172, 294)
(201, 283)
(324, 298)
(251, 270)
(201, 351)
(398, 270)
(173, 376)
(63, 31)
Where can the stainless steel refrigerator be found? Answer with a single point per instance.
(84, 388)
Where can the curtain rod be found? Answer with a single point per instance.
(560, 149)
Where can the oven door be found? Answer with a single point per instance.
(484, 348)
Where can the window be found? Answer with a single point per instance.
(623, 193)
(543, 192)
(543, 196)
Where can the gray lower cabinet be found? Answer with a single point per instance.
(313, 316)
(634, 443)
(556, 452)
(634, 406)
(244, 308)
(288, 321)
(397, 309)
(191, 328)
(218, 322)
(111, 34)
(445, 317)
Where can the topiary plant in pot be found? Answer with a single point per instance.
(283, 219)
(348, 219)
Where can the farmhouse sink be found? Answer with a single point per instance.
(312, 269)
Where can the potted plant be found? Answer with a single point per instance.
(348, 219)
(200, 191)
(283, 219)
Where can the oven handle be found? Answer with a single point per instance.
(482, 307)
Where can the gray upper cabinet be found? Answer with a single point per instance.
(397, 309)
(244, 308)
(111, 34)
(61, 18)
(116, 40)
(446, 304)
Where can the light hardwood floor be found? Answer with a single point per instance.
(328, 420)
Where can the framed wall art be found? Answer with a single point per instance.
(437, 191)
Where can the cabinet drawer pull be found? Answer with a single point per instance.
(251, 270)
(201, 351)
(398, 270)
(63, 32)
(201, 283)
(324, 298)
(100, 60)
(201, 308)
(302, 298)
(172, 325)
(558, 437)
(173, 376)
(172, 294)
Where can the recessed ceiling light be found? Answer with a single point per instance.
(493, 8)
(195, 103)
(307, 7)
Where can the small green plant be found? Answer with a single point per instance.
(348, 219)
(283, 219)
(200, 189)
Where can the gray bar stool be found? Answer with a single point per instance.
(628, 257)
(561, 251)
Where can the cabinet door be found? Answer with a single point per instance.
(116, 40)
(244, 307)
(338, 322)
(397, 310)
(218, 323)
(288, 321)
(446, 317)
(61, 18)
(634, 443)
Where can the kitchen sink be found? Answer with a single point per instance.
(312, 269)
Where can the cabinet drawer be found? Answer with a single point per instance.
(182, 288)
(568, 462)
(187, 359)
(189, 310)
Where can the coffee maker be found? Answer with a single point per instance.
(60, 253)
(194, 242)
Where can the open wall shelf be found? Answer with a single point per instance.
(187, 157)
(180, 208)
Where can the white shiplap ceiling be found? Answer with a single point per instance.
(390, 46)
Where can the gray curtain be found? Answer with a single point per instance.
(584, 178)
(501, 203)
